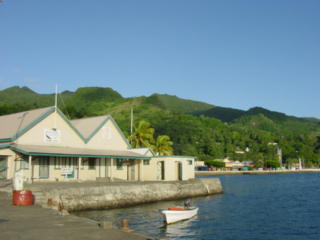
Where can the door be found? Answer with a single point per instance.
(3, 167)
(103, 167)
(106, 169)
(132, 171)
(44, 167)
(160, 170)
(72, 164)
(179, 169)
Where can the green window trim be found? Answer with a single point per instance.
(146, 162)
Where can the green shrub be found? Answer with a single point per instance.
(272, 164)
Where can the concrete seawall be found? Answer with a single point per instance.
(114, 195)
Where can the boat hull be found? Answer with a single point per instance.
(172, 216)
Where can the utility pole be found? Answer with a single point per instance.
(131, 125)
(55, 107)
(56, 99)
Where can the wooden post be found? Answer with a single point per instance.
(141, 170)
(79, 166)
(30, 168)
(125, 226)
(111, 166)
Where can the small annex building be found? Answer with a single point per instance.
(46, 146)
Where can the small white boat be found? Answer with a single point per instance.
(177, 214)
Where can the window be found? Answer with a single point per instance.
(83, 162)
(190, 162)
(63, 162)
(119, 164)
(107, 134)
(146, 162)
(92, 163)
(3, 167)
(24, 163)
(57, 162)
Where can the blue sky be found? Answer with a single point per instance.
(236, 53)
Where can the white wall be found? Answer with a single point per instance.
(36, 135)
(150, 172)
(108, 137)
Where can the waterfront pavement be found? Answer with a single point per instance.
(35, 223)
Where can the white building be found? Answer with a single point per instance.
(46, 146)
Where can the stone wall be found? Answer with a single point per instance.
(130, 193)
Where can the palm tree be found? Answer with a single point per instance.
(163, 145)
(142, 135)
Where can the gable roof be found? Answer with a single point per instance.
(88, 127)
(14, 125)
(143, 151)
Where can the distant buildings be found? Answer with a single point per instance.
(235, 165)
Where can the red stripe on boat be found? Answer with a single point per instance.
(178, 209)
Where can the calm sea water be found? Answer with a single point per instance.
(257, 207)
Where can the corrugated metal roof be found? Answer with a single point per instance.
(12, 124)
(143, 151)
(86, 126)
(61, 151)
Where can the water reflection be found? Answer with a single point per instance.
(263, 207)
(183, 229)
(148, 219)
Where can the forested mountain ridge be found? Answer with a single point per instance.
(222, 113)
(174, 103)
(196, 128)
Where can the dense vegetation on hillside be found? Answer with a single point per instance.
(199, 129)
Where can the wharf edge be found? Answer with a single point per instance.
(46, 223)
(34, 222)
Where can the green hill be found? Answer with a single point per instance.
(88, 101)
(258, 117)
(24, 96)
(277, 116)
(174, 103)
(94, 94)
(196, 128)
(262, 118)
(16, 99)
(222, 113)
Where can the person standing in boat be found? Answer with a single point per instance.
(187, 203)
